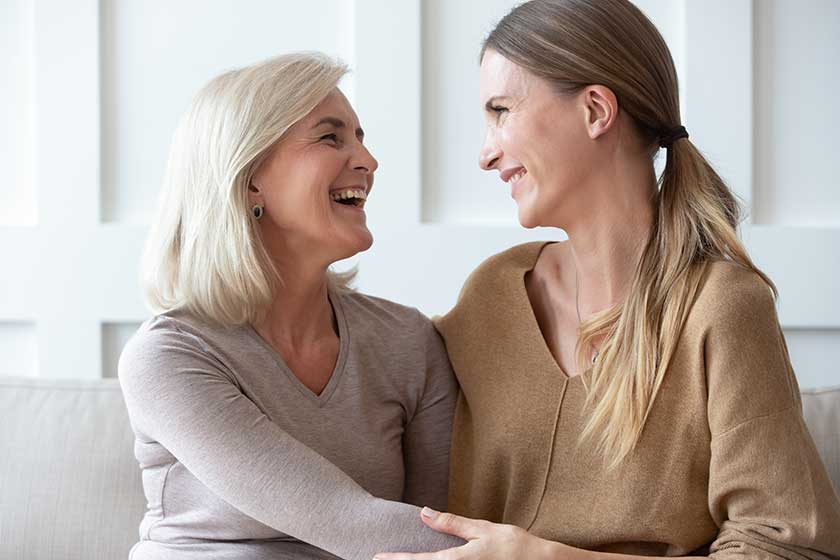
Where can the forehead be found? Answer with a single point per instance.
(333, 105)
(499, 76)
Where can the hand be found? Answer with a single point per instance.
(485, 540)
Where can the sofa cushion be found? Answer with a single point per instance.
(821, 408)
(70, 486)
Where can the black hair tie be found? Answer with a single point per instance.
(672, 136)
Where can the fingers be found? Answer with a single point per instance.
(467, 529)
(464, 527)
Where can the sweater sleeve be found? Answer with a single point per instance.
(178, 394)
(428, 435)
(769, 492)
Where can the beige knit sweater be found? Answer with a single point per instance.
(725, 465)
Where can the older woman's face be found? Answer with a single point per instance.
(320, 161)
(536, 139)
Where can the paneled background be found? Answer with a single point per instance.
(91, 92)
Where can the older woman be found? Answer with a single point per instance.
(626, 393)
(263, 379)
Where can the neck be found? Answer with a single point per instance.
(300, 312)
(605, 258)
(606, 243)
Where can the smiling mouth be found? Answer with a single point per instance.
(517, 176)
(350, 197)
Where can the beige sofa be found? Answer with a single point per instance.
(70, 486)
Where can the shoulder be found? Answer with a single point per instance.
(380, 313)
(730, 292)
(160, 332)
(498, 274)
(153, 335)
(747, 368)
(518, 258)
(388, 324)
(164, 342)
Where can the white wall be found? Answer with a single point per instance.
(17, 195)
(92, 91)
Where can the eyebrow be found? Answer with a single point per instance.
(492, 102)
(338, 123)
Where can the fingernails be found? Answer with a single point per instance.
(429, 512)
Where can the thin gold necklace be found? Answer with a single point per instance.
(577, 306)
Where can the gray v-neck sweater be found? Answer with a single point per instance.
(241, 460)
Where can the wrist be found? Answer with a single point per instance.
(558, 551)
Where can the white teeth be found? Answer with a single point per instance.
(518, 175)
(350, 193)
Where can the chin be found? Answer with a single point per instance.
(366, 244)
(527, 218)
(359, 243)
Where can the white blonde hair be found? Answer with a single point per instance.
(204, 251)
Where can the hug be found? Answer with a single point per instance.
(625, 393)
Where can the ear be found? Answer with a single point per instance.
(254, 194)
(601, 109)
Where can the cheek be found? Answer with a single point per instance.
(533, 144)
(306, 182)
(562, 156)
(510, 140)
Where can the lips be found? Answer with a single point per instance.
(358, 187)
(514, 177)
(506, 174)
(351, 197)
(518, 175)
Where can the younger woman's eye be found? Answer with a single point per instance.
(498, 109)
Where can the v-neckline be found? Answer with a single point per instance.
(338, 370)
(533, 324)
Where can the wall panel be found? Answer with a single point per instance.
(455, 190)
(796, 113)
(17, 188)
(815, 355)
(98, 87)
(19, 348)
(155, 57)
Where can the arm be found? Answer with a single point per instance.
(768, 489)
(179, 395)
(497, 541)
(428, 435)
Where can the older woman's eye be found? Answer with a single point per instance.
(330, 137)
(498, 109)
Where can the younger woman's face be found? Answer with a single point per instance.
(320, 161)
(538, 141)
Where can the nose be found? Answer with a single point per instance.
(363, 160)
(490, 154)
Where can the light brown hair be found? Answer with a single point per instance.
(575, 43)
